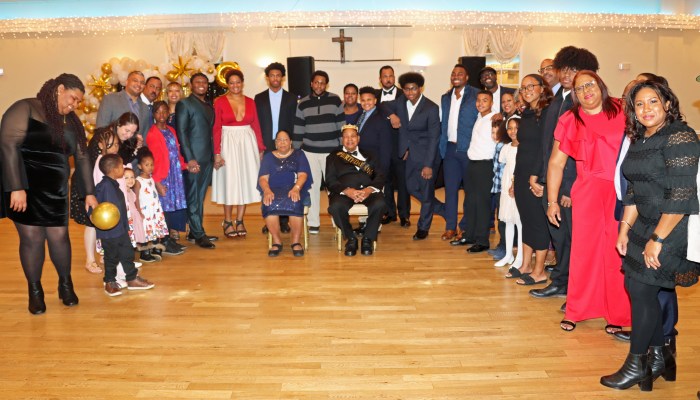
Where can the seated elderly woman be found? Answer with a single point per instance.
(284, 181)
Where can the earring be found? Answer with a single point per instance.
(635, 118)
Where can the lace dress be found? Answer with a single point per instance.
(661, 173)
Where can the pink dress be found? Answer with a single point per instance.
(596, 282)
(136, 232)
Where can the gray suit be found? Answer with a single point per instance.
(195, 120)
(420, 137)
(115, 104)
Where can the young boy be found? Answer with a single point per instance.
(480, 176)
(115, 242)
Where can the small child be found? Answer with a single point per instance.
(132, 204)
(115, 242)
(499, 135)
(154, 224)
(508, 210)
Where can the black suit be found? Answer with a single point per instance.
(341, 175)
(396, 178)
(561, 236)
(195, 120)
(288, 109)
(420, 137)
(376, 136)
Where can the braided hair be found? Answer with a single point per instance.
(48, 97)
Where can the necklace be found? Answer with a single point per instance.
(284, 155)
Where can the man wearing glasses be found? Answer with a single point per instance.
(550, 74)
(568, 61)
(487, 77)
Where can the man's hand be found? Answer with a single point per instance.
(395, 121)
(565, 201)
(193, 167)
(426, 173)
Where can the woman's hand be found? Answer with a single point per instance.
(18, 201)
(139, 141)
(294, 194)
(90, 202)
(651, 254)
(218, 161)
(554, 213)
(268, 196)
(511, 191)
(536, 188)
(162, 189)
(621, 245)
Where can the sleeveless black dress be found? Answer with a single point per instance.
(33, 161)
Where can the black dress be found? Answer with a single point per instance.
(32, 161)
(527, 163)
(661, 172)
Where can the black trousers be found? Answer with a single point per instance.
(118, 250)
(478, 213)
(396, 180)
(339, 205)
(196, 186)
(423, 190)
(561, 240)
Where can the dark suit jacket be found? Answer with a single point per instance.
(288, 108)
(421, 135)
(115, 104)
(195, 120)
(341, 175)
(558, 107)
(376, 136)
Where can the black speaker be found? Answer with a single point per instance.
(474, 65)
(299, 70)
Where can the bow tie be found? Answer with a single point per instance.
(352, 153)
(388, 91)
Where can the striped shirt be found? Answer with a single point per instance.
(318, 122)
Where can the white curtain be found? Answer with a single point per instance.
(505, 44)
(209, 45)
(475, 41)
(178, 44)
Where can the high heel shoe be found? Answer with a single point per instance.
(36, 298)
(66, 292)
(662, 363)
(505, 260)
(635, 371)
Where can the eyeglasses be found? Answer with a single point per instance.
(586, 86)
(568, 71)
(546, 69)
(411, 88)
(529, 87)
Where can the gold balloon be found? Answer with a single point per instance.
(106, 68)
(86, 109)
(171, 76)
(222, 69)
(93, 108)
(105, 216)
(105, 77)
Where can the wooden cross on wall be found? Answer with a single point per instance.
(342, 39)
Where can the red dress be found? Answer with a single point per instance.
(596, 282)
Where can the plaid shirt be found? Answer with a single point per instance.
(497, 170)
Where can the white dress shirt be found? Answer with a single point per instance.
(496, 106)
(411, 107)
(388, 97)
(482, 146)
(455, 103)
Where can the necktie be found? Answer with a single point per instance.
(361, 120)
(388, 91)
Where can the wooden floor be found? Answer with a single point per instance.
(418, 320)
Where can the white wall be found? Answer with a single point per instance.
(676, 55)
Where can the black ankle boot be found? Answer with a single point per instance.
(36, 298)
(635, 370)
(66, 292)
(662, 363)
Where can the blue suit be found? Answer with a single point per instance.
(454, 154)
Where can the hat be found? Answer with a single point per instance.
(487, 69)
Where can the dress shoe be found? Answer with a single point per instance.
(477, 248)
(462, 241)
(623, 335)
(360, 230)
(405, 223)
(351, 247)
(36, 298)
(387, 220)
(205, 243)
(191, 238)
(448, 235)
(66, 292)
(314, 230)
(550, 291)
(367, 246)
(549, 268)
(635, 371)
(671, 344)
(420, 235)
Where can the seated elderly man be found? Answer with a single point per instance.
(354, 176)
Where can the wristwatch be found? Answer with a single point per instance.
(655, 238)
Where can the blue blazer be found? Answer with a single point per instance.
(465, 121)
(421, 135)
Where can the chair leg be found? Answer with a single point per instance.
(269, 240)
(306, 233)
(339, 238)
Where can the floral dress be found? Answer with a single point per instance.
(154, 225)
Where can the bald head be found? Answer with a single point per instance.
(548, 72)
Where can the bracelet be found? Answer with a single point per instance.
(549, 203)
(628, 224)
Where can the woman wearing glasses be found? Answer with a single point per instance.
(591, 133)
(536, 95)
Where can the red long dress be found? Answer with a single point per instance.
(596, 282)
